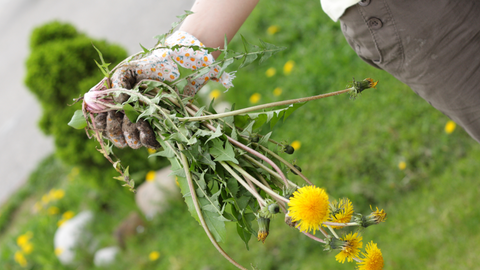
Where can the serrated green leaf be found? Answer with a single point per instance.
(244, 235)
(215, 225)
(222, 154)
(264, 140)
(247, 131)
(78, 120)
(167, 151)
(216, 134)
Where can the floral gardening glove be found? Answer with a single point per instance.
(160, 65)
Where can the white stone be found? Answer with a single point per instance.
(152, 197)
(69, 235)
(105, 256)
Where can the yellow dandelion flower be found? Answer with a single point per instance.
(309, 208)
(341, 212)
(24, 238)
(215, 94)
(350, 248)
(68, 215)
(27, 248)
(287, 68)
(57, 194)
(371, 83)
(373, 259)
(58, 251)
(255, 98)
(154, 255)
(273, 29)
(402, 165)
(151, 151)
(450, 127)
(378, 215)
(20, 259)
(270, 72)
(45, 199)
(150, 176)
(296, 145)
(277, 91)
(53, 210)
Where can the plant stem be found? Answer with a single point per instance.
(340, 224)
(285, 162)
(243, 183)
(254, 161)
(253, 152)
(333, 231)
(199, 211)
(263, 106)
(260, 185)
(314, 238)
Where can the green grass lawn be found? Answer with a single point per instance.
(350, 147)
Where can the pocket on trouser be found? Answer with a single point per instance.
(370, 30)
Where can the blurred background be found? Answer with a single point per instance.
(387, 149)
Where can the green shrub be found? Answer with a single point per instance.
(61, 67)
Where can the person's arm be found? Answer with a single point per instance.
(213, 19)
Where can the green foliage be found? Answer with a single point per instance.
(61, 67)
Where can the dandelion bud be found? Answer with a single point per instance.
(263, 228)
(274, 208)
(269, 210)
(374, 218)
(296, 167)
(288, 149)
(359, 86)
(332, 243)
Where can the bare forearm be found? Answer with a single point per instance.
(213, 19)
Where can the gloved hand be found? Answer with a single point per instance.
(161, 65)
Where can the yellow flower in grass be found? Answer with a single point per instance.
(270, 72)
(402, 165)
(154, 255)
(277, 91)
(309, 208)
(53, 210)
(350, 248)
(287, 68)
(57, 194)
(45, 199)
(255, 98)
(24, 238)
(296, 145)
(341, 212)
(27, 248)
(373, 259)
(68, 215)
(273, 29)
(214, 94)
(20, 259)
(151, 151)
(450, 127)
(150, 176)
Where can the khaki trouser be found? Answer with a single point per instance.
(433, 46)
